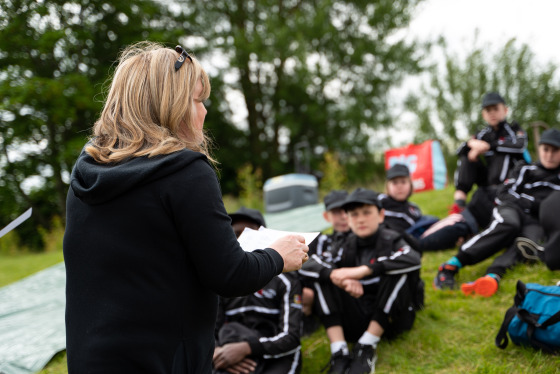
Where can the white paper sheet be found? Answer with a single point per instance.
(262, 238)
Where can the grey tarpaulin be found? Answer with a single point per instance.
(32, 309)
(32, 321)
(307, 218)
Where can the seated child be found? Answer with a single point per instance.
(336, 216)
(400, 214)
(372, 291)
(484, 160)
(322, 247)
(259, 333)
(517, 214)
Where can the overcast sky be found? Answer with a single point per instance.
(532, 22)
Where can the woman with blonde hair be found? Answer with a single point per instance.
(148, 243)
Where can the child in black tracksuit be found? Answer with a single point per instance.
(400, 214)
(516, 216)
(269, 322)
(260, 333)
(336, 216)
(322, 248)
(484, 160)
(372, 291)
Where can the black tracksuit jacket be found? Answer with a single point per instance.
(507, 145)
(391, 255)
(527, 186)
(148, 247)
(399, 215)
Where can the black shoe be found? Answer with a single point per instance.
(338, 364)
(364, 358)
(445, 278)
(528, 248)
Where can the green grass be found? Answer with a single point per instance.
(454, 334)
(18, 266)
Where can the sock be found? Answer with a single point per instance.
(495, 276)
(460, 202)
(337, 346)
(369, 339)
(454, 261)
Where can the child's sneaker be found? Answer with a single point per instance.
(364, 357)
(338, 364)
(528, 248)
(445, 278)
(485, 286)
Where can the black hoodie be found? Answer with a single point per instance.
(148, 246)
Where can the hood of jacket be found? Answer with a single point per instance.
(96, 183)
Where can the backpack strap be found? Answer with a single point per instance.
(502, 338)
(555, 318)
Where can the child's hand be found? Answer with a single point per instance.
(358, 272)
(478, 147)
(353, 287)
(230, 354)
(245, 366)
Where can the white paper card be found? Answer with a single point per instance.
(262, 238)
(16, 222)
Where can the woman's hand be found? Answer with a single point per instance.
(293, 250)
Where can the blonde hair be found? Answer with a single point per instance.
(149, 109)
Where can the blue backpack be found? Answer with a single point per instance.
(534, 318)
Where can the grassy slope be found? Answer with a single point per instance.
(453, 334)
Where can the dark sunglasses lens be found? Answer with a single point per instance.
(183, 55)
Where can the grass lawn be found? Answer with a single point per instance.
(453, 334)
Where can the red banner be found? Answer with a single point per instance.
(424, 161)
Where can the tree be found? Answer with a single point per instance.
(54, 58)
(451, 100)
(308, 71)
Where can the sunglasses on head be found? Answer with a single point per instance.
(183, 55)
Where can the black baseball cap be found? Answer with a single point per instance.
(335, 199)
(398, 170)
(362, 196)
(492, 98)
(550, 136)
(248, 214)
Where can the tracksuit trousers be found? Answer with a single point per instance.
(389, 299)
(508, 223)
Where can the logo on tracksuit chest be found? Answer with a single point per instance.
(266, 294)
